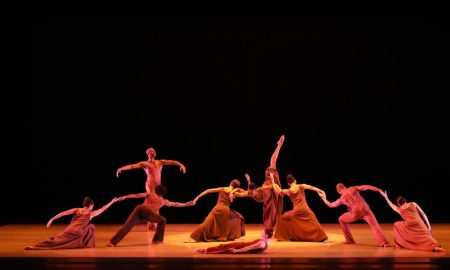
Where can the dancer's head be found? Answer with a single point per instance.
(251, 188)
(340, 188)
(270, 170)
(400, 200)
(88, 202)
(235, 183)
(266, 234)
(160, 190)
(151, 153)
(291, 179)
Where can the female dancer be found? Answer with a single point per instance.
(79, 233)
(412, 233)
(300, 223)
(256, 246)
(222, 223)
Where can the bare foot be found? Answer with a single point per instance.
(111, 245)
(385, 245)
(348, 243)
(157, 242)
(438, 249)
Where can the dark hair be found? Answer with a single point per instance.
(235, 183)
(252, 186)
(160, 190)
(290, 178)
(87, 201)
(268, 232)
(400, 200)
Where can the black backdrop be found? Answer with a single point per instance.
(358, 93)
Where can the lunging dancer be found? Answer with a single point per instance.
(153, 168)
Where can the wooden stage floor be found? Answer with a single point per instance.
(136, 251)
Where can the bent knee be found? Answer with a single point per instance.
(162, 220)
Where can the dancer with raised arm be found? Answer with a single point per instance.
(147, 211)
(358, 209)
(300, 223)
(272, 202)
(412, 233)
(79, 233)
(153, 168)
(222, 223)
(256, 246)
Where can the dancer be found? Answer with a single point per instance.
(412, 233)
(222, 223)
(272, 202)
(256, 246)
(153, 168)
(300, 223)
(147, 212)
(79, 233)
(358, 209)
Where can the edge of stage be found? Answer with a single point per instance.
(135, 251)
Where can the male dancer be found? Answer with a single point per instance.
(358, 209)
(152, 168)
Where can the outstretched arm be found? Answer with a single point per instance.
(422, 213)
(106, 206)
(367, 187)
(273, 159)
(318, 190)
(240, 194)
(392, 205)
(174, 162)
(129, 167)
(211, 190)
(178, 204)
(63, 213)
(334, 204)
(258, 245)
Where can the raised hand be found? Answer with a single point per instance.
(183, 168)
(118, 172)
(49, 223)
(247, 176)
(281, 140)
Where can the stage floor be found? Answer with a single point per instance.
(136, 250)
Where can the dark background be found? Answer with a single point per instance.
(358, 92)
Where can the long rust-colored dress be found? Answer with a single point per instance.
(78, 234)
(272, 204)
(300, 223)
(412, 233)
(221, 224)
(225, 248)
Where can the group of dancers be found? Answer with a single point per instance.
(226, 224)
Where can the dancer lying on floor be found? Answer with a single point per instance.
(255, 246)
